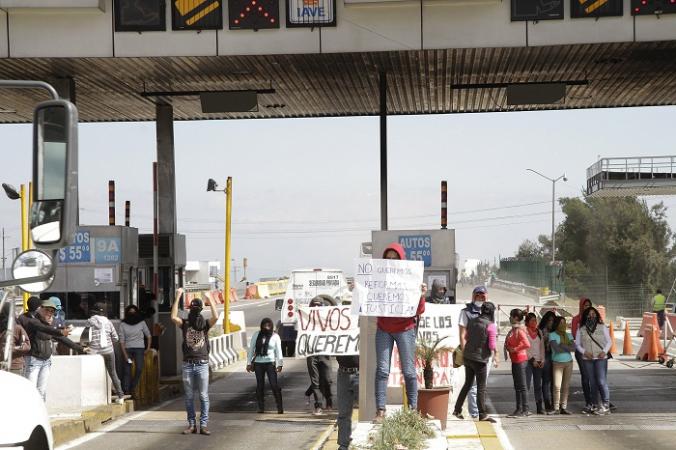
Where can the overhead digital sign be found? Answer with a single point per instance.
(197, 14)
(310, 13)
(595, 8)
(652, 7)
(132, 15)
(537, 10)
(253, 14)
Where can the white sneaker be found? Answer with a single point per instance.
(119, 401)
(318, 412)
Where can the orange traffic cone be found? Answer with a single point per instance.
(627, 349)
(653, 350)
(613, 347)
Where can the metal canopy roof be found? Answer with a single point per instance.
(346, 84)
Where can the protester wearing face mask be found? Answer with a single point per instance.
(471, 311)
(135, 340)
(536, 360)
(562, 344)
(195, 359)
(265, 357)
(517, 345)
(593, 342)
(546, 327)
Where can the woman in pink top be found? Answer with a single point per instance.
(517, 345)
(480, 344)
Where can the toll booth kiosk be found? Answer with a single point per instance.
(100, 266)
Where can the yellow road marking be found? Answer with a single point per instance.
(202, 13)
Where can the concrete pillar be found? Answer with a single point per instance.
(367, 368)
(166, 168)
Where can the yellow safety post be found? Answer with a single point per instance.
(228, 221)
(24, 232)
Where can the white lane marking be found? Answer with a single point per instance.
(502, 436)
(112, 426)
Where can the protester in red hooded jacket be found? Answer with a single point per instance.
(401, 330)
(584, 378)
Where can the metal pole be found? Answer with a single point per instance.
(383, 150)
(444, 205)
(24, 232)
(3, 251)
(127, 213)
(553, 218)
(25, 84)
(111, 203)
(228, 220)
(155, 245)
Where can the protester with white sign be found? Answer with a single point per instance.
(388, 290)
(327, 330)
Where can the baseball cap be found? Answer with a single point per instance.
(49, 303)
(57, 302)
(480, 290)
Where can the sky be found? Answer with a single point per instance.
(306, 191)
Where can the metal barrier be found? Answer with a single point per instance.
(224, 350)
(148, 389)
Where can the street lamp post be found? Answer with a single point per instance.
(553, 180)
(213, 186)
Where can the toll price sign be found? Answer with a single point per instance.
(253, 14)
(79, 252)
(595, 8)
(652, 7)
(537, 10)
(418, 248)
(310, 13)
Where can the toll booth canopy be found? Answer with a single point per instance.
(617, 177)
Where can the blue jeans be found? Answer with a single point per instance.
(137, 355)
(348, 391)
(584, 378)
(406, 346)
(37, 371)
(196, 375)
(597, 371)
(547, 382)
(536, 375)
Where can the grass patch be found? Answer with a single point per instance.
(405, 429)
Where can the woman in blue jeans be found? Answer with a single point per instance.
(135, 340)
(593, 342)
(401, 330)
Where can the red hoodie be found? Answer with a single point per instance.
(575, 324)
(399, 324)
(518, 342)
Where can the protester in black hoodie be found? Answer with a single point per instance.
(135, 340)
(37, 323)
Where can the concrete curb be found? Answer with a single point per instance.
(65, 430)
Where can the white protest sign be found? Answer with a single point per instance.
(387, 287)
(327, 330)
(438, 321)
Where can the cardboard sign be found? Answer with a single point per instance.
(387, 287)
(438, 321)
(327, 330)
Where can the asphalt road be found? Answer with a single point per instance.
(646, 416)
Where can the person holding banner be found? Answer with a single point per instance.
(480, 345)
(348, 391)
(265, 357)
(401, 330)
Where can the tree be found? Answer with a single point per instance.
(535, 250)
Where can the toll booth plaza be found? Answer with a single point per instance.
(162, 61)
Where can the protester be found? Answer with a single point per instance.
(480, 345)
(401, 330)
(438, 293)
(37, 322)
(133, 330)
(561, 343)
(517, 345)
(20, 343)
(471, 311)
(536, 360)
(319, 370)
(658, 304)
(584, 377)
(59, 315)
(348, 393)
(593, 342)
(101, 340)
(195, 347)
(546, 327)
(265, 357)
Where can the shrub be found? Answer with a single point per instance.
(405, 429)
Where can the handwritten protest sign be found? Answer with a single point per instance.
(438, 321)
(327, 330)
(387, 288)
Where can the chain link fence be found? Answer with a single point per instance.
(537, 273)
(618, 299)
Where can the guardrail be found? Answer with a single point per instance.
(542, 295)
(225, 350)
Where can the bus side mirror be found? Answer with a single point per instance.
(53, 215)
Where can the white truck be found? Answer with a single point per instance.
(327, 286)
